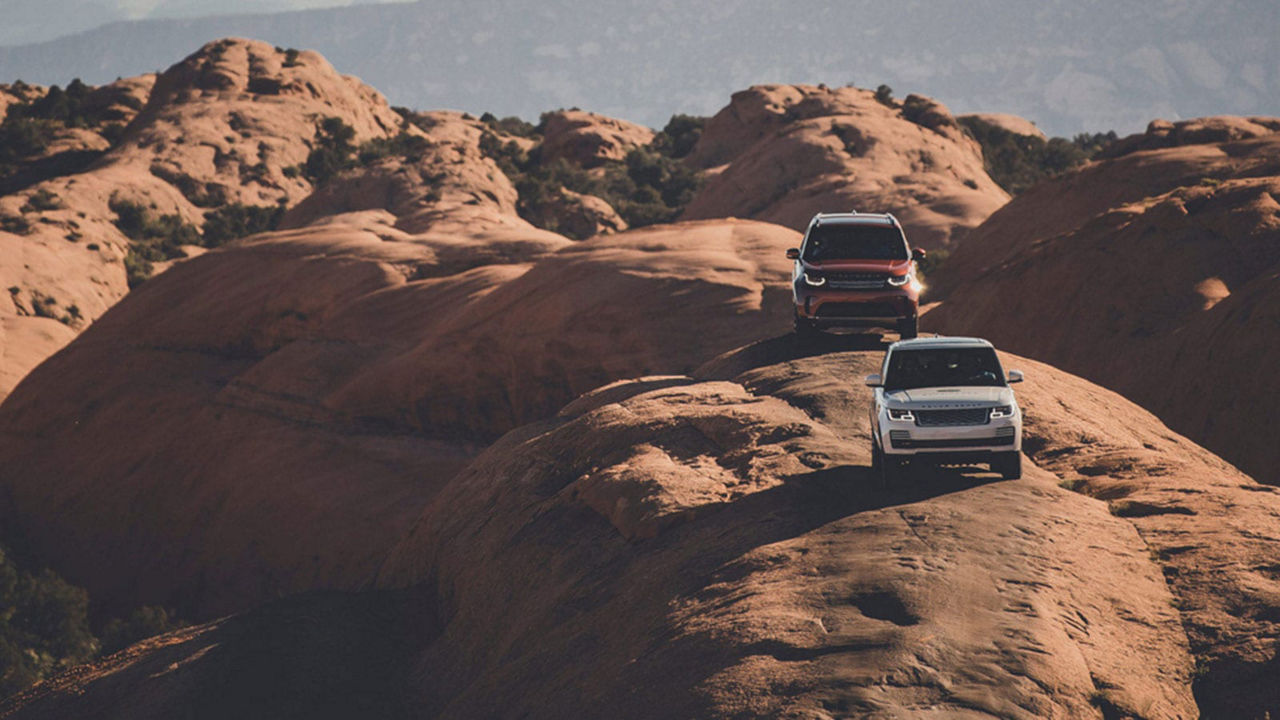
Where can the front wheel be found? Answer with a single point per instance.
(892, 468)
(805, 329)
(909, 328)
(1009, 465)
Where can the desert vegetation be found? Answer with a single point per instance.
(45, 625)
(335, 150)
(29, 127)
(650, 185)
(1016, 162)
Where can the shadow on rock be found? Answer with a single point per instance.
(317, 655)
(785, 348)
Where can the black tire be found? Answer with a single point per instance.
(877, 457)
(892, 470)
(1009, 465)
(804, 329)
(909, 328)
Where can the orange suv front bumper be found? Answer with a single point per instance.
(885, 308)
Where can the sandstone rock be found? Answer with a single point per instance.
(793, 151)
(578, 216)
(588, 139)
(220, 126)
(1198, 131)
(342, 343)
(732, 519)
(1013, 123)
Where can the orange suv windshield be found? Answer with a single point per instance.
(855, 242)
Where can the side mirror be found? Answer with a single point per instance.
(793, 253)
(918, 254)
(1015, 376)
(873, 380)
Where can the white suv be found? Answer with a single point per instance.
(945, 400)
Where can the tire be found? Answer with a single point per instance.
(1009, 465)
(891, 470)
(877, 457)
(909, 328)
(804, 329)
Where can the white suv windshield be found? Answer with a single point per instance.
(943, 367)
(855, 242)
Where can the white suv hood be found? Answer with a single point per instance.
(950, 398)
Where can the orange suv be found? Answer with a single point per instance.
(855, 270)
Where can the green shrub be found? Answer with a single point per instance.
(410, 147)
(914, 108)
(681, 133)
(137, 269)
(154, 239)
(1016, 162)
(29, 127)
(647, 188)
(291, 58)
(234, 221)
(44, 625)
(24, 137)
(510, 157)
(884, 96)
(333, 151)
(509, 125)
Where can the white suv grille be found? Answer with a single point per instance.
(949, 418)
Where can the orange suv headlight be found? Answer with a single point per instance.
(814, 280)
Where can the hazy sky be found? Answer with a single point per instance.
(30, 21)
(1070, 65)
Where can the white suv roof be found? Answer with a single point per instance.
(854, 218)
(940, 342)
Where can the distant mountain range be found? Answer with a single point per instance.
(1070, 66)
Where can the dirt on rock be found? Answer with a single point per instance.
(782, 153)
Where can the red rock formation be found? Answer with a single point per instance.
(781, 153)
(588, 139)
(220, 126)
(1013, 123)
(717, 547)
(1149, 271)
(201, 444)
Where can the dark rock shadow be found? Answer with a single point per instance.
(789, 347)
(318, 655)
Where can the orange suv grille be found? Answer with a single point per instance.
(856, 280)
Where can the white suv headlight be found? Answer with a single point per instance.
(896, 414)
(1001, 411)
(813, 279)
(900, 280)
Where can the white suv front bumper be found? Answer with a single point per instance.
(904, 437)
